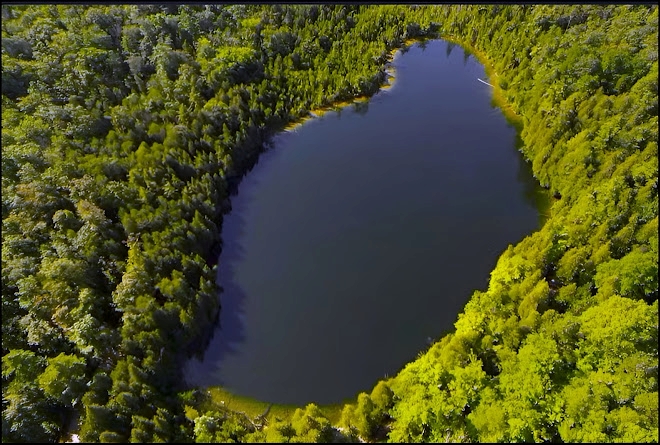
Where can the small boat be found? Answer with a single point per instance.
(483, 81)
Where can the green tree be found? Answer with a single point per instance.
(64, 378)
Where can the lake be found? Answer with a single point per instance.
(364, 232)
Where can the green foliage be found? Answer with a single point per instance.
(23, 366)
(123, 125)
(364, 418)
(633, 276)
(382, 396)
(566, 330)
(311, 426)
(64, 378)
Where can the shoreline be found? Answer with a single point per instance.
(221, 396)
(498, 93)
(390, 78)
(546, 201)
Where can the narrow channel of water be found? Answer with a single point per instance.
(364, 232)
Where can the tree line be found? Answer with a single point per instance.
(126, 128)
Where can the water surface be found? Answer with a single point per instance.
(364, 232)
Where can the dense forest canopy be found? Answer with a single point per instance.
(125, 129)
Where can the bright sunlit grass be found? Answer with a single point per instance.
(220, 397)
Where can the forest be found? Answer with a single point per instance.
(126, 128)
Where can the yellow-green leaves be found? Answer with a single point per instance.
(54, 384)
(633, 276)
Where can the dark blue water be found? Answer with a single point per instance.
(364, 233)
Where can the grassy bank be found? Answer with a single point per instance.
(219, 397)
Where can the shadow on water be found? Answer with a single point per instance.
(466, 56)
(422, 44)
(449, 48)
(534, 195)
(361, 108)
(228, 331)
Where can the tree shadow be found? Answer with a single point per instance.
(361, 108)
(535, 195)
(228, 332)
